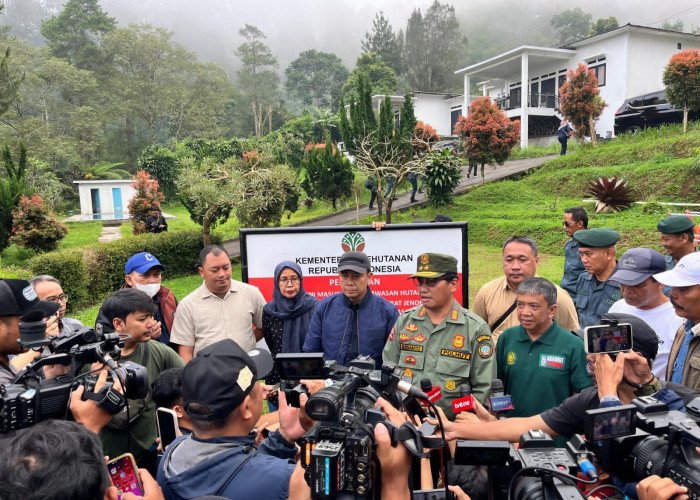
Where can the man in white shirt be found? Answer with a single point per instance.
(642, 296)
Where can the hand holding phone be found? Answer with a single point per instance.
(124, 475)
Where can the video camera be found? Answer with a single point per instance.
(31, 398)
(630, 442)
(338, 452)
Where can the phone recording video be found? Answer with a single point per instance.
(608, 338)
(124, 475)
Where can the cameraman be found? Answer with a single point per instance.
(618, 382)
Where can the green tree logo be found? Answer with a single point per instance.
(352, 242)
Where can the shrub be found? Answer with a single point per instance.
(35, 226)
(442, 175)
(147, 196)
(163, 166)
(87, 274)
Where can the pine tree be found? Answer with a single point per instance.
(329, 174)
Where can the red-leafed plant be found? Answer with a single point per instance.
(487, 134)
(147, 196)
(580, 101)
(682, 80)
(35, 226)
(425, 137)
(611, 194)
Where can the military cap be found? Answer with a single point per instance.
(675, 224)
(434, 265)
(597, 238)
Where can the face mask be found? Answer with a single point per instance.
(151, 289)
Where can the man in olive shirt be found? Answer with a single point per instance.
(495, 301)
(440, 339)
(539, 353)
(677, 237)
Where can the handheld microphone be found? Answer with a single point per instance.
(465, 402)
(499, 402)
(433, 391)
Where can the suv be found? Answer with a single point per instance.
(648, 110)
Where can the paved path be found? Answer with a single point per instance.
(509, 169)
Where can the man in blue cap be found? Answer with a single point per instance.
(595, 292)
(144, 272)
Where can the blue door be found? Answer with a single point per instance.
(95, 199)
(117, 197)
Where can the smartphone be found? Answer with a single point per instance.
(168, 429)
(274, 390)
(608, 338)
(124, 475)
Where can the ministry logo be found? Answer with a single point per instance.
(352, 242)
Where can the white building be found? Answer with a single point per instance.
(440, 111)
(628, 61)
(105, 199)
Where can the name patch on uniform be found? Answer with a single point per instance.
(411, 327)
(411, 347)
(455, 354)
(551, 361)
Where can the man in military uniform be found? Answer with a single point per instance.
(595, 293)
(440, 339)
(575, 219)
(677, 238)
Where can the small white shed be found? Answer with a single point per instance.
(105, 199)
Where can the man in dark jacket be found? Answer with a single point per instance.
(144, 272)
(155, 223)
(224, 400)
(354, 322)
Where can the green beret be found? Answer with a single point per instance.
(597, 238)
(434, 265)
(675, 224)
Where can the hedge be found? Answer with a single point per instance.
(88, 274)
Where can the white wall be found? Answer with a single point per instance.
(435, 111)
(106, 198)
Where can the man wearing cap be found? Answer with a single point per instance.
(439, 339)
(617, 382)
(353, 322)
(677, 237)
(220, 308)
(495, 300)
(144, 272)
(18, 300)
(642, 296)
(539, 353)
(575, 219)
(595, 291)
(224, 400)
(684, 359)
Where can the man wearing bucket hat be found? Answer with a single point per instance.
(642, 296)
(18, 302)
(439, 339)
(224, 400)
(684, 358)
(595, 291)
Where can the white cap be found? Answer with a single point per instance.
(686, 272)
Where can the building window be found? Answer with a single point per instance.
(599, 72)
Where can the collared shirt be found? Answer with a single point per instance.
(573, 267)
(594, 298)
(203, 318)
(678, 364)
(495, 297)
(554, 364)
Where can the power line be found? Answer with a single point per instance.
(677, 14)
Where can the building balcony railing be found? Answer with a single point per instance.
(535, 100)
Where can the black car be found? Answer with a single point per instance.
(648, 110)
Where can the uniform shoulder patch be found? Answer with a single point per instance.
(483, 338)
(485, 350)
(391, 334)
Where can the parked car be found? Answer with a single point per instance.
(648, 110)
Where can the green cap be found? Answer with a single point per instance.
(675, 224)
(596, 238)
(434, 265)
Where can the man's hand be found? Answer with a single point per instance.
(394, 416)
(637, 369)
(480, 414)
(608, 374)
(450, 428)
(298, 489)
(458, 493)
(378, 225)
(290, 428)
(87, 412)
(656, 488)
(395, 463)
(313, 385)
(155, 331)
(151, 490)
(52, 327)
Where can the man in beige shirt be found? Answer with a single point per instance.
(221, 308)
(495, 298)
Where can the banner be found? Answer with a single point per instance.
(393, 253)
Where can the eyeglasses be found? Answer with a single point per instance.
(429, 282)
(294, 280)
(61, 298)
(567, 223)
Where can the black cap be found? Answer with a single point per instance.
(354, 261)
(221, 376)
(17, 298)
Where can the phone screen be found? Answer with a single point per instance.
(123, 472)
(608, 338)
(167, 426)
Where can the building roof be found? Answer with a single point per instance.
(628, 28)
(105, 181)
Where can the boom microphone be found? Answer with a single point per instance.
(499, 402)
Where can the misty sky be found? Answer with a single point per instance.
(210, 27)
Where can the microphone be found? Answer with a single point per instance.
(432, 391)
(465, 402)
(499, 402)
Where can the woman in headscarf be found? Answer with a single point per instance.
(286, 317)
